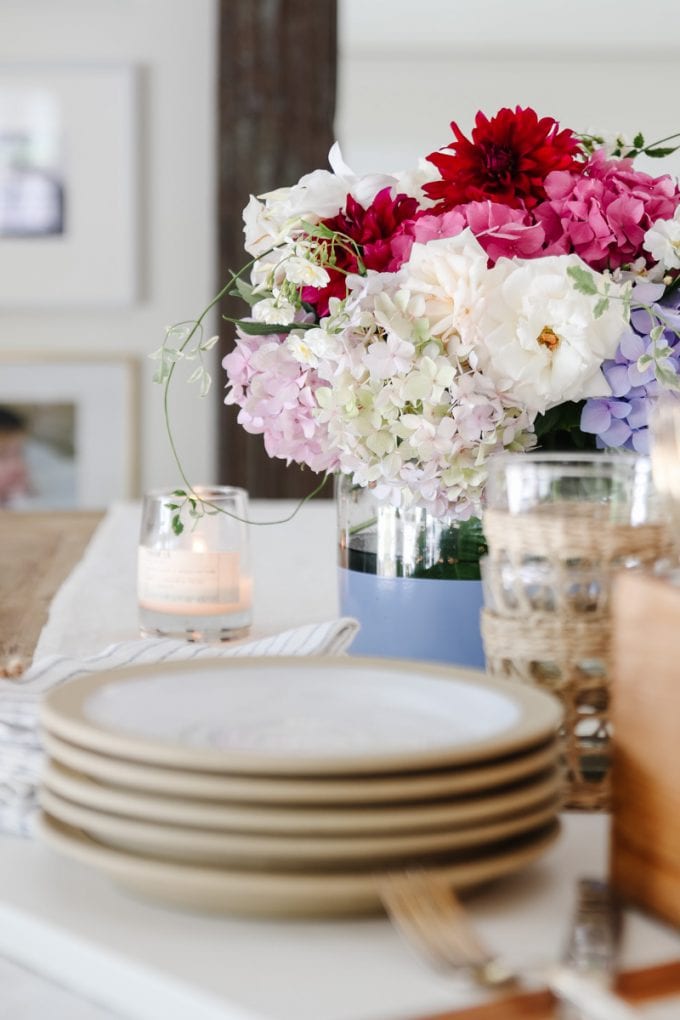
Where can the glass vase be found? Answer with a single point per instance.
(411, 579)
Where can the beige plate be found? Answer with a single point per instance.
(203, 846)
(298, 821)
(300, 716)
(278, 893)
(305, 790)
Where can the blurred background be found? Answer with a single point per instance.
(133, 131)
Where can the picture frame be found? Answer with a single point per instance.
(68, 186)
(78, 418)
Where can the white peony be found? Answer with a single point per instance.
(538, 338)
(662, 240)
(443, 279)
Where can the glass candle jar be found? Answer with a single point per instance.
(195, 582)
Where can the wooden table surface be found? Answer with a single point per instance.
(37, 552)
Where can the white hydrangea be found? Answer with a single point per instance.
(405, 411)
(310, 346)
(537, 337)
(662, 241)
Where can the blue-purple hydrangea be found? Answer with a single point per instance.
(621, 420)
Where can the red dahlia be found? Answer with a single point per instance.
(372, 230)
(507, 160)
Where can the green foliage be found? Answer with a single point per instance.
(266, 328)
(621, 150)
(246, 291)
(559, 429)
(584, 281)
(461, 548)
(601, 307)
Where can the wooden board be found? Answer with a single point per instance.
(635, 986)
(37, 552)
(645, 713)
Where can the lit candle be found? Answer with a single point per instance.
(192, 581)
(195, 580)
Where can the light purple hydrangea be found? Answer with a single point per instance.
(621, 420)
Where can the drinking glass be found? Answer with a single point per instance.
(590, 507)
(195, 583)
(558, 527)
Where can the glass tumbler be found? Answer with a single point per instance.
(571, 508)
(558, 528)
(195, 584)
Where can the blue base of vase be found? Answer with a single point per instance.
(414, 618)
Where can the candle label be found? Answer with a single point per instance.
(169, 578)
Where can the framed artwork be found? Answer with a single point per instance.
(68, 186)
(67, 431)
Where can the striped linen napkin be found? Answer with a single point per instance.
(21, 754)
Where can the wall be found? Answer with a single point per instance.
(409, 67)
(173, 43)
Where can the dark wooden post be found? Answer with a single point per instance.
(277, 72)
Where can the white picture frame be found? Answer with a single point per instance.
(103, 394)
(81, 121)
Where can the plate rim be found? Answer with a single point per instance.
(312, 850)
(322, 820)
(61, 712)
(318, 894)
(379, 789)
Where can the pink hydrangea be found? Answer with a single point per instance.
(275, 394)
(603, 213)
(502, 231)
(423, 229)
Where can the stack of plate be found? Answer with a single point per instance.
(293, 785)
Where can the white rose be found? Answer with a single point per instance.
(538, 338)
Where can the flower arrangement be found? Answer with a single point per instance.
(518, 289)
